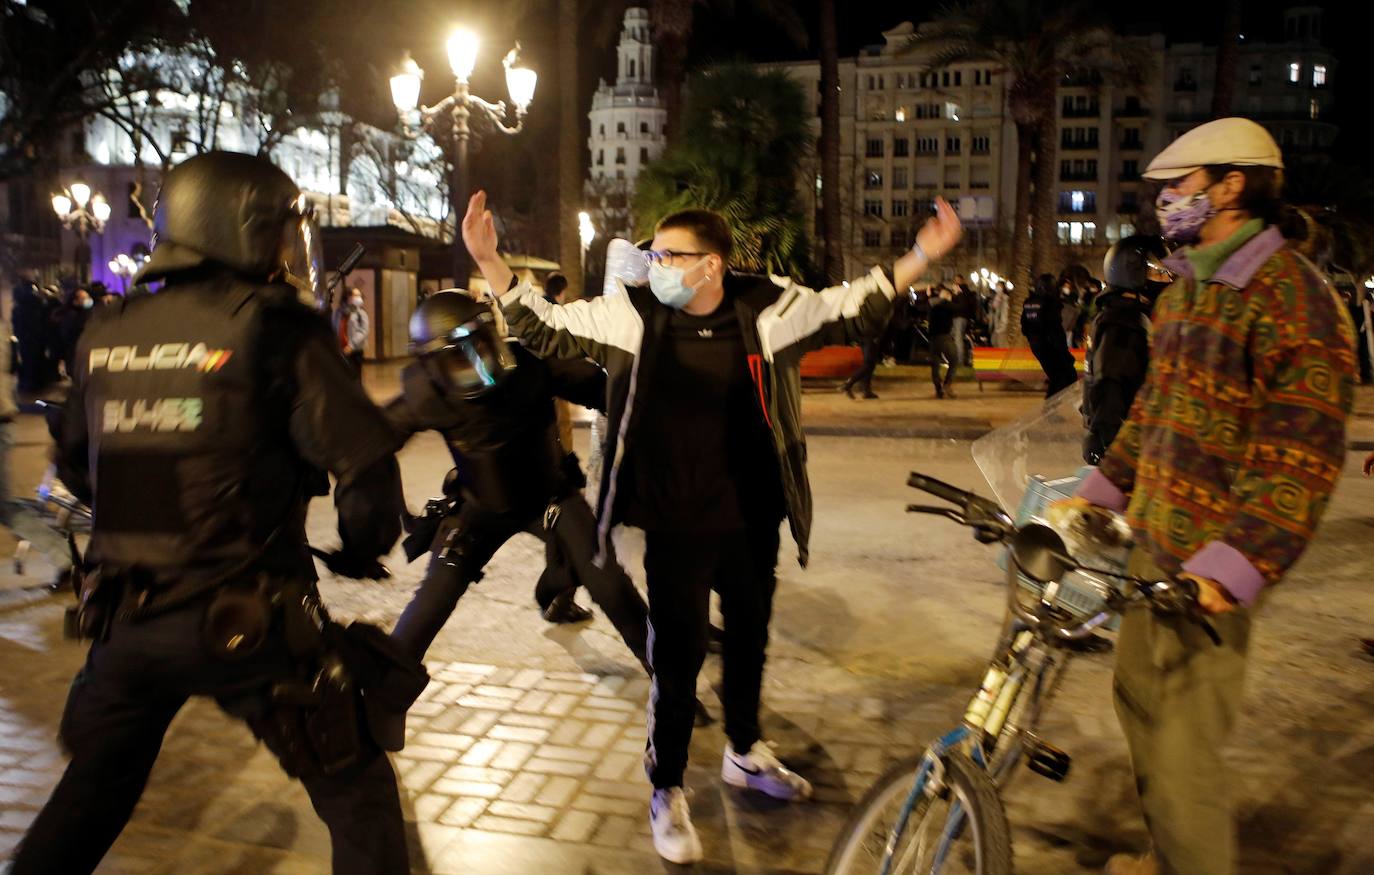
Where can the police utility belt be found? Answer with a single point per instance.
(345, 681)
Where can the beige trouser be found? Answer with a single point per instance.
(1177, 696)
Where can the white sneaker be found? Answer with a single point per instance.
(761, 770)
(675, 838)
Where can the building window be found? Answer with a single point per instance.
(1130, 169)
(643, 154)
(1063, 229)
(927, 145)
(620, 174)
(875, 148)
(1294, 73)
(944, 79)
(644, 127)
(952, 178)
(900, 237)
(603, 130)
(982, 144)
(953, 145)
(1129, 205)
(1130, 138)
(899, 177)
(1315, 108)
(1318, 76)
(952, 111)
(873, 238)
(632, 68)
(899, 146)
(873, 208)
(900, 114)
(620, 127)
(1077, 201)
(1256, 74)
(620, 155)
(899, 208)
(600, 157)
(873, 179)
(1185, 81)
(958, 78)
(1127, 229)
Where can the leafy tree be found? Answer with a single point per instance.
(743, 137)
(1036, 45)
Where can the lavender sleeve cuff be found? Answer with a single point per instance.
(1100, 491)
(1226, 565)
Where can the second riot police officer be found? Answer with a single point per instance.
(199, 421)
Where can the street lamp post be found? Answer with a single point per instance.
(460, 105)
(586, 232)
(82, 212)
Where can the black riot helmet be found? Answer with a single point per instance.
(240, 212)
(459, 340)
(1136, 264)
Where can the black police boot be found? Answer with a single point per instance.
(563, 610)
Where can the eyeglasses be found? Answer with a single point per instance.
(659, 256)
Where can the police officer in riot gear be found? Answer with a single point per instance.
(494, 404)
(1119, 353)
(198, 419)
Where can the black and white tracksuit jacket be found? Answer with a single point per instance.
(780, 321)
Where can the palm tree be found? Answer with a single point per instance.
(831, 232)
(744, 137)
(673, 22)
(1035, 45)
(570, 146)
(1228, 52)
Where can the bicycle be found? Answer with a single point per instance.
(940, 811)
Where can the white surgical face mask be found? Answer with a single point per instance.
(668, 285)
(356, 302)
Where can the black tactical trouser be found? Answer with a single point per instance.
(118, 710)
(468, 539)
(943, 350)
(682, 570)
(1056, 361)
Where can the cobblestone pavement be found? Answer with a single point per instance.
(524, 755)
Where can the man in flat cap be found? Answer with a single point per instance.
(1223, 470)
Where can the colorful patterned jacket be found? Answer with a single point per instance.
(1233, 447)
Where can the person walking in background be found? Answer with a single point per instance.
(965, 310)
(942, 345)
(353, 326)
(29, 320)
(1223, 469)
(74, 316)
(1043, 327)
(999, 314)
(555, 288)
(873, 350)
(1068, 313)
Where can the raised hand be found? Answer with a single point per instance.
(479, 230)
(941, 231)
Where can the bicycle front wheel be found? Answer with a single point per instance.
(956, 826)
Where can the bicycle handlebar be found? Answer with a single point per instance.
(994, 526)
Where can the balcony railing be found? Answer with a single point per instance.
(1083, 176)
(1136, 111)
(1078, 145)
(1081, 112)
(1132, 145)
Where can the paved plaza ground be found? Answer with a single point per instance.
(524, 755)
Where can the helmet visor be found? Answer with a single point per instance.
(303, 255)
(1156, 271)
(473, 358)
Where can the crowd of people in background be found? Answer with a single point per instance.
(46, 322)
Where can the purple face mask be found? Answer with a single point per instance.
(1181, 216)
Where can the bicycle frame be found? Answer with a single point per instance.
(930, 765)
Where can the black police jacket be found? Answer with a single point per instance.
(1042, 316)
(198, 421)
(1116, 367)
(504, 442)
